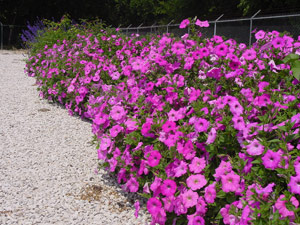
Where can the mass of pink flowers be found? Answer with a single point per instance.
(207, 129)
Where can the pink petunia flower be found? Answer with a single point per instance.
(236, 108)
(117, 112)
(132, 185)
(169, 126)
(131, 125)
(282, 209)
(160, 217)
(224, 168)
(184, 23)
(115, 130)
(202, 23)
(201, 206)
(211, 136)
(168, 188)
(201, 125)
(180, 169)
(249, 54)
(196, 182)
(255, 148)
(146, 127)
(195, 220)
(278, 42)
(260, 35)
(230, 182)
(295, 184)
(238, 122)
(179, 207)
(154, 158)
(154, 206)
(104, 144)
(178, 48)
(169, 203)
(190, 198)
(197, 165)
(271, 159)
(262, 100)
(137, 208)
(210, 193)
(262, 85)
(221, 49)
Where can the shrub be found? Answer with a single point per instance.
(206, 129)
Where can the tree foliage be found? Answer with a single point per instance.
(135, 12)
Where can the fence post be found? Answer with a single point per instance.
(152, 26)
(1, 37)
(169, 25)
(137, 29)
(215, 27)
(119, 27)
(127, 29)
(250, 36)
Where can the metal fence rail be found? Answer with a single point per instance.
(240, 29)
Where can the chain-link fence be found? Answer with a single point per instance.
(239, 29)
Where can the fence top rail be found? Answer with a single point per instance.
(215, 21)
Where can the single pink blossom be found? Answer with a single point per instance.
(197, 165)
(154, 206)
(168, 187)
(210, 193)
(295, 184)
(260, 34)
(223, 168)
(115, 130)
(282, 209)
(169, 126)
(271, 159)
(154, 158)
(137, 208)
(104, 144)
(202, 23)
(201, 125)
(230, 182)
(117, 112)
(249, 54)
(255, 148)
(196, 182)
(184, 23)
(180, 169)
(132, 185)
(190, 198)
(169, 203)
(278, 42)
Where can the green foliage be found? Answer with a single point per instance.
(64, 30)
(292, 59)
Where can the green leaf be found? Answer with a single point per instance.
(257, 161)
(274, 140)
(290, 58)
(221, 194)
(296, 72)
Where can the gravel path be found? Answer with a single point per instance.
(47, 165)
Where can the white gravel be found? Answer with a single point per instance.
(47, 164)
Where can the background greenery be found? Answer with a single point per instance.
(135, 12)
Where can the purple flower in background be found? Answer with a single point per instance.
(32, 32)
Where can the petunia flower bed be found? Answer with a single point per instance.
(206, 129)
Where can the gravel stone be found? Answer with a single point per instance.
(47, 166)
